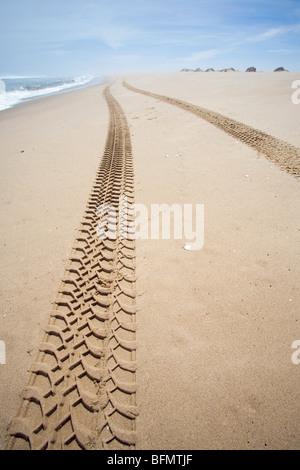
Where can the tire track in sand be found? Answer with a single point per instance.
(82, 388)
(278, 151)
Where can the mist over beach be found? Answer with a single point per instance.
(149, 227)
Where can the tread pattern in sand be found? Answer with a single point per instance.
(278, 151)
(82, 388)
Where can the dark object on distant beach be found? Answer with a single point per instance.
(210, 70)
(280, 69)
(228, 70)
(251, 69)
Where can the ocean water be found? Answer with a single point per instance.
(14, 90)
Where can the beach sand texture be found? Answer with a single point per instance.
(210, 363)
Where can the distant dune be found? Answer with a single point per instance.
(230, 69)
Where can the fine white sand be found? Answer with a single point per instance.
(215, 326)
(49, 153)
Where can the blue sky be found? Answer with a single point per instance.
(76, 37)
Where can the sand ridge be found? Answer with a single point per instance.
(215, 325)
(81, 391)
(283, 154)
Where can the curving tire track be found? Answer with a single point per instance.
(282, 153)
(82, 388)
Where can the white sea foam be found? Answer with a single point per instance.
(27, 91)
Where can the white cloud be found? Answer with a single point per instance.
(114, 36)
(201, 55)
(273, 32)
(270, 33)
(281, 51)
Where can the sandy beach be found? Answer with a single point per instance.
(215, 326)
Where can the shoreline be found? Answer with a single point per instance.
(93, 82)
